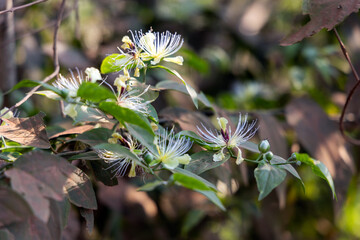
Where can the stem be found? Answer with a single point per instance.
(9, 147)
(352, 91)
(22, 6)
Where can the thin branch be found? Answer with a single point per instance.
(352, 91)
(55, 59)
(22, 6)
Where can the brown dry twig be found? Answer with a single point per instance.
(55, 59)
(352, 91)
(22, 6)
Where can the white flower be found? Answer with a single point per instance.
(171, 149)
(158, 46)
(72, 84)
(129, 100)
(119, 163)
(225, 139)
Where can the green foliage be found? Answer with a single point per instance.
(318, 168)
(267, 178)
(93, 92)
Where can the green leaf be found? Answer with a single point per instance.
(190, 174)
(33, 83)
(49, 94)
(190, 182)
(288, 167)
(94, 136)
(85, 156)
(126, 115)
(318, 168)
(143, 136)
(117, 148)
(203, 161)
(112, 63)
(88, 114)
(94, 92)
(250, 146)
(171, 85)
(151, 186)
(189, 89)
(213, 198)
(267, 178)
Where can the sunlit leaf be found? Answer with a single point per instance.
(94, 92)
(111, 64)
(190, 174)
(190, 182)
(318, 168)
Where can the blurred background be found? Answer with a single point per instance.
(231, 53)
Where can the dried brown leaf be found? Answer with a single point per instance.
(323, 14)
(27, 131)
(75, 130)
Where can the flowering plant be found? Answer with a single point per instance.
(120, 128)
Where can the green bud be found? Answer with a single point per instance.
(298, 163)
(264, 146)
(148, 158)
(293, 156)
(269, 156)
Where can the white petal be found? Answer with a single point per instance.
(178, 60)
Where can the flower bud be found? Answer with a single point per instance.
(293, 156)
(93, 74)
(264, 146)
(298, 163)
(148, 158)
(269, 156)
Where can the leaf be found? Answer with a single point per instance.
(94, 92)
(171, 85)
(88, 114)
(15, 210)
(86, 156)
(30, 229)
(189, 89)
(211, 195)
(190, 182)
(95, 136)
(323, 14)
(79, 189)
(144, 137)
(203, 161)
(250, 146)
(75, 130)
(190, 174)
(102, 173)
(55, 220)
(287, 167)
(26, 131)
(88, 215)
(32, 83)
(111, 64)
(60, 176)
(116, 148)
(9, 156)
(125, 115)
(151, 186)
(35, 192)
(318, 168)
(49, 94)
(267, 178)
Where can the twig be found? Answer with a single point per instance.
(352, 91)
(55, 59)
(22, 6)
